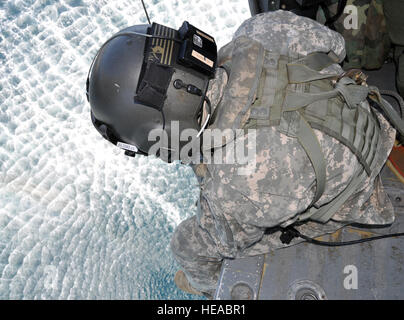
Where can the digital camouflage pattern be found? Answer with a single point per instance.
(367, 46)
(238, 214)
(291, 35)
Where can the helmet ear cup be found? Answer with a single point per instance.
(100, 127)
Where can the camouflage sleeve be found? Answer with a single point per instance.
(366, 40)
(291, 35)
(216, 87)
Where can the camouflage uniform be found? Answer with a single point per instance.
(368, 45)
(238, 214)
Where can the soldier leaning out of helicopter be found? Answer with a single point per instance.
(319, 140)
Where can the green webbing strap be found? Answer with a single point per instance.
(353, 95)
(279, 83)
(310, 144)
(325, 212)
(373, 146)
(334, 134)
(307, 68)
(370, 131)
(361, 121)
(296, 100)
(368, 154)
(347, 128)
(389, 111)
(318, 60)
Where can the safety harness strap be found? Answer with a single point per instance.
(325, 212)
(307, 68)
(310, 144)
(353, 95)
(389, 111)
(267, 107)
(293, 96)
(297, 100)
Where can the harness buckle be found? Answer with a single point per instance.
(356, 75)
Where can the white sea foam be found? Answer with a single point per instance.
(78, 219)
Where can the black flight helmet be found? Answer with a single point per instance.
(144, 78)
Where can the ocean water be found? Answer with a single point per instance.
(78, 219)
